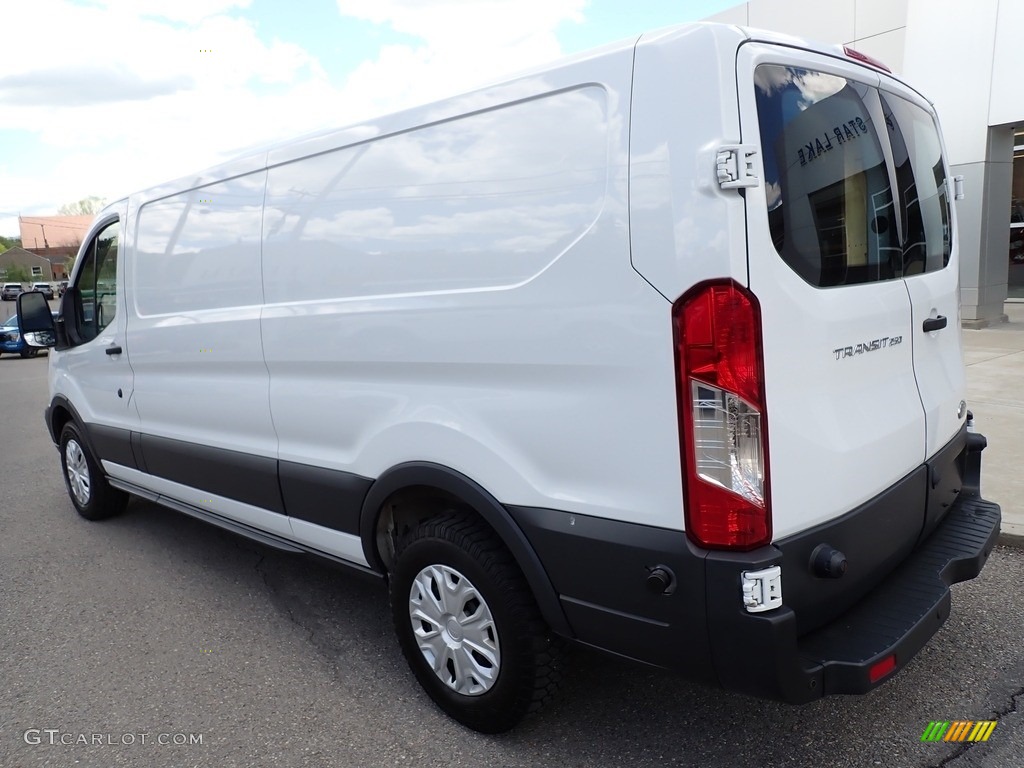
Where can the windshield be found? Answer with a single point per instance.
(850, 202)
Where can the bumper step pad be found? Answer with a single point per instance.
(901, 614)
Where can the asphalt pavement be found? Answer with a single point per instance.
(154, 640)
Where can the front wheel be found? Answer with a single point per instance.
(469, 626)
(92, 495)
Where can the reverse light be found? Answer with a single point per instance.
(723, 426)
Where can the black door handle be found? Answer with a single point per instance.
(935, 324)
(113, 350)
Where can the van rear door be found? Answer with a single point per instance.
(825, 262)
(930, 263)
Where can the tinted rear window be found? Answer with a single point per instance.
(849, 203)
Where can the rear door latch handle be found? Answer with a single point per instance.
(935, 324)
(114, 350)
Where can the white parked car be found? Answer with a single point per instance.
(10, 291)
(654, 350)
(44, 288)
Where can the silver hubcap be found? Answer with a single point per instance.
(78, 472)
(455, 630)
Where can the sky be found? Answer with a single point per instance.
(106, 97)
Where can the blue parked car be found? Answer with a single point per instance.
(11, 341)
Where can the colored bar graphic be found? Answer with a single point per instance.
(958, 730)
(983, 730)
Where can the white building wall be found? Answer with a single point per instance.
(874, 27)
(949, 59)
(1007, 105)
(806, 18)
(952, 56)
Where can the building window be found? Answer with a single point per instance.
(37, 271)
(1016, 275)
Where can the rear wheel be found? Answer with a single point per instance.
(92, 495)
(468, 624)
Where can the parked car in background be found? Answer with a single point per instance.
(62, 287)
(10, 291)
(44, 288)
(11, 340)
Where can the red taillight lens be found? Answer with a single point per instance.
(724, 428)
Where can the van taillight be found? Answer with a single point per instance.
(723, 424)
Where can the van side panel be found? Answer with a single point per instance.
(484, 201)
(684, 229)
(194, 338)
(467, 289)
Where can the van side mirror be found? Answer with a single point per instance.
(34, 319)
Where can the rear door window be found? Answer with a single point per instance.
(849, 202)
(921, 181)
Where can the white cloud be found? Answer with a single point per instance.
(490, 23)
(186, 11)
(129, 93)
(465, 43)
(88, 84)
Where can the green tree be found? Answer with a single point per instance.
(17, 274)
(84, 207)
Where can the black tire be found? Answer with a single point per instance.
(528, 655)
(26, 353)
(91, 494)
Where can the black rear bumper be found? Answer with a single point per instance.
(763, 655)
(802, 650)
(902, 614)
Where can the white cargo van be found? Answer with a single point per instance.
(656, 350)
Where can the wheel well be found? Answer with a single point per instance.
(407, 508)
(409, 493)
(59, 416)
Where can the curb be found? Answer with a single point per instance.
(1011, 540)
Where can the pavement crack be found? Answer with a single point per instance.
(965, 747)
(274, 592)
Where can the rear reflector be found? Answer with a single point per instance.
(723, 426)
(882, 668)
